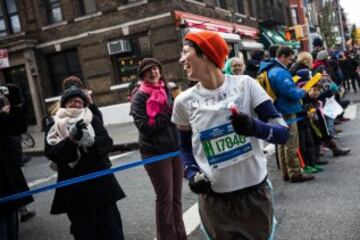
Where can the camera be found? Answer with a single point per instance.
(4, 90)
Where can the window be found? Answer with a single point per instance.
(239, 4)
(251, 8)
(222, 4)
(2, 23)
(87, 7)
(9, 18)
(258, 8)
(62, 65)
(126, 62)
(294, 16)
(54, 11)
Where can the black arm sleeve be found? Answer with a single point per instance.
(65, 151)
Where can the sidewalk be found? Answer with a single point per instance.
(125, 137)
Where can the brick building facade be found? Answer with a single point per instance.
(101, 41)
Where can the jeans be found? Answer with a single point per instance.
(331, 125)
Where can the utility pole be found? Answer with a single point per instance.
(341, 25)
(307, 23)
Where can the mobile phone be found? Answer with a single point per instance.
(4, 90)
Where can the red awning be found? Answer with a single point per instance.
(210, 24)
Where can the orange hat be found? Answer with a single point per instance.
(212, 45)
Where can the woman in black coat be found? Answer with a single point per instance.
(78, 144)
(12, 180)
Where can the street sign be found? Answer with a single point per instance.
(4, 58)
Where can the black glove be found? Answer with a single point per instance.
(14, 96)
(243, 124)
(199, 183)
(76, 131)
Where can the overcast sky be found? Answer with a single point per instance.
(351, 7)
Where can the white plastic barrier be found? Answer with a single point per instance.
(116, 114)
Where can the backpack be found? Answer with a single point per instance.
(264, 82)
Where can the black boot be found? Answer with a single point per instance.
(337, 151)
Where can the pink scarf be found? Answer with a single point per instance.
(157, 101)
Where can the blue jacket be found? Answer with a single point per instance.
(288, 95)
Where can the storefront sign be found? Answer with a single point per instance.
(4, 58)
(210, 24)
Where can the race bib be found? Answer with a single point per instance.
(224, 147)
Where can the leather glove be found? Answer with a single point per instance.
(76, 131)
(199, 183)
(14, 94)
(243, 124)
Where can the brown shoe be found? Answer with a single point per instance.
(338, 130)
(301, 178)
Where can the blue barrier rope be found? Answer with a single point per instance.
(100, 173)
(88, 177)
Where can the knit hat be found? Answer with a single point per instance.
(322, 55)
(72, 81)
(146, 64)
(317, 42)
(73, 93)
(211, 44)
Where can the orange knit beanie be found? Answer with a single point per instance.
(211, 44)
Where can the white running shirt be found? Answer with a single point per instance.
(230, 161)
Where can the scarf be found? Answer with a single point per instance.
(157, 101)
(64, 119)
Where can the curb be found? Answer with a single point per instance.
(117, 147)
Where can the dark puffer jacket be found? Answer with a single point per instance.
(159, 138)
(89, 194)
(12, 179)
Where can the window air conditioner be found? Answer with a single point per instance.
(119, 46)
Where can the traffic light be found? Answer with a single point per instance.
(290, 34)
(296, 32)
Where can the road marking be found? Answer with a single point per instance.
(350, 111)
(42, 180)
(53, 176)
(269, 150)
(119, 156)
(191, 219)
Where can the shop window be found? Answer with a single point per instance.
(9, 18)
(231, 47)
(222, 4)
(239, 4)
(87, 7)
(127, 58)
(62, 65)
(54, 11)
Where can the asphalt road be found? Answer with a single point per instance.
(327, 208)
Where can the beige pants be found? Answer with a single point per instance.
(289, 161)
